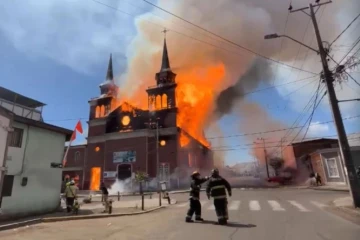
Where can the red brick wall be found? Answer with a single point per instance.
(72, 175)
(317, 165)
(97, 130)
(71, 161)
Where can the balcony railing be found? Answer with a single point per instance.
(31, 113)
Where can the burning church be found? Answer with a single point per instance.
(124, 139)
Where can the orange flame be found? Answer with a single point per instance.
(95, 178)
(195, 96)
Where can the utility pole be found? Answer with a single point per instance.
(157, 151)
(343, 141)
(265, 157)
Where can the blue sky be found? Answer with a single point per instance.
(57, 52)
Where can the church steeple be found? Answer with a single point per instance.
(165, 76)
(110, 73)
(165, 63)
(108, 86)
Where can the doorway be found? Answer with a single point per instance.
(95, 178)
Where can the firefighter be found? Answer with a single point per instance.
(70, 194)
(195, 205)
(216, 189)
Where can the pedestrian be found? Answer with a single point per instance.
(105, 196)
(167, 196)
(195, 205)
(70, 194)
(216, 189)
(318, 179)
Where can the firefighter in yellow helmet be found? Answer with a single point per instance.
(195, 205)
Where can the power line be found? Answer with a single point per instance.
(300, 117)
(308, 120)
(306, 139)
(277, 130)
(226, 40)
(356, 42)
(313, 110)
(344, 30)
(247, 93)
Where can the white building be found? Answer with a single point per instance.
(30, 185)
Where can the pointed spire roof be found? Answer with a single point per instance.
(165, 63)
(110, 73)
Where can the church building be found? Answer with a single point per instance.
(125, 139)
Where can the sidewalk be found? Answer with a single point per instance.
(90, 211)
(344, 208)
(341, 188)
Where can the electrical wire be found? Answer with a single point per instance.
(224, 39)
(301, 115)
(354, 45)
(313, 111)
(309, 118)
(344, 30)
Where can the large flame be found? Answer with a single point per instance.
(195, 96)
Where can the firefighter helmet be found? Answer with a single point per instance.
(215, 172)
(195, 174)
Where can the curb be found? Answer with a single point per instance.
(20, 224)
(330, 189)
(71, 218)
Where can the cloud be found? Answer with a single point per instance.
(318, 130)
(77, 33)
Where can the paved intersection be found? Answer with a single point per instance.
(254, 214)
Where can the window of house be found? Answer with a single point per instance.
(7, 185)
(332, 168)
(16, 137)
(77, 156)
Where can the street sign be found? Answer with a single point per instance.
(56, 165)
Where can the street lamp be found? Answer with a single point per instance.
(275, 35)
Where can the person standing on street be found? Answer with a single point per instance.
(105, 194)
(216, 189)
(195, 205)
(70, 194)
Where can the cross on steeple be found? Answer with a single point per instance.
(165, 31)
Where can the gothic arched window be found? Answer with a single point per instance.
(158, 102)
(164, 103)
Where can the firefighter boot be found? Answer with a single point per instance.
(199, 219)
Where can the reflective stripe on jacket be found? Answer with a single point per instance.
(217, 187)
(195, 188)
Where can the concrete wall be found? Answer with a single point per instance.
(335, 155)
(4, 124)
(39, 148)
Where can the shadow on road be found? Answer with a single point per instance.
(230, 224)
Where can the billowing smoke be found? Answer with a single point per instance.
(212, 80)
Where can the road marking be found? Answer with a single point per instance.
(299, 206)
(234, 205)
(318, 204)
(275, 206)
(254, 206)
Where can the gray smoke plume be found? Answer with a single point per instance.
(227, 99)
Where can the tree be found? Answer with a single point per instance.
(141, 177)
(276, 163)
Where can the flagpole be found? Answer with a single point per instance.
(67, 150)
(73, 137)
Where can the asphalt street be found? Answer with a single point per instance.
(271, 214)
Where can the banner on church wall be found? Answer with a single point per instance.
(124, 157)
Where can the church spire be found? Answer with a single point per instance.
(110, 74)
(165, 63)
